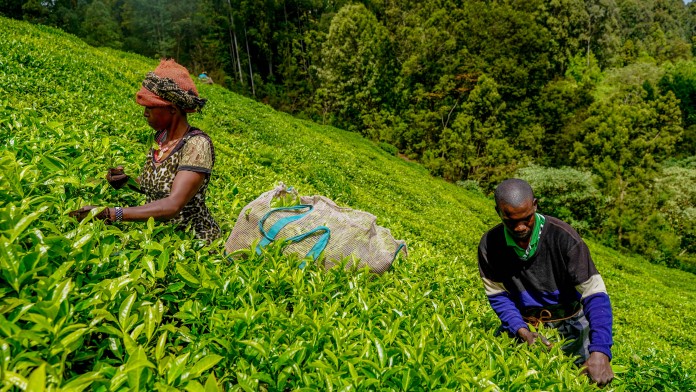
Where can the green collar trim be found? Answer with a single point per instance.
(526, 254)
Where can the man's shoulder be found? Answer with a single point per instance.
(493, 234)
(558, 227)
(495, 230)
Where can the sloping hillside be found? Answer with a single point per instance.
(140, 306)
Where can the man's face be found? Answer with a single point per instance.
(519, 220)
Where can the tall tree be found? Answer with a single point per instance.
(36, 11)
(356, 73)
(680, 79)
(11, 8)
(623, 140)
(149, 27)
(561, 105)
(100, 26)
(475, 147)
(601, 35)
(658, 28)
(565, 20)
(436, 70)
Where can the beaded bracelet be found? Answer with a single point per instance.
(119, 214)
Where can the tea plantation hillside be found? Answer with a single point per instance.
(142, 307)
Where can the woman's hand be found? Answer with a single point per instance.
(83, 212)
(117, 177)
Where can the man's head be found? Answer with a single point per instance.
(516, 205)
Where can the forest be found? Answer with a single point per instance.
(592, 101)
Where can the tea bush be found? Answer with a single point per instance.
(139, 306)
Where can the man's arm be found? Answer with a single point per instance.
(498, 296)
(504, 307)
(501, 301)
(597, 309)
(510, 316)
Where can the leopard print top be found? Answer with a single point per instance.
(194, 152)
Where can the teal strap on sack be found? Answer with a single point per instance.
(270, 236)
(319, 247)
(397, 251)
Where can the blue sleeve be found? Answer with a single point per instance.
(597, 308)
(507, 312)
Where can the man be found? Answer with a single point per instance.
(536, 269)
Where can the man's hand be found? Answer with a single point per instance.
(598, 368)
(531, 337)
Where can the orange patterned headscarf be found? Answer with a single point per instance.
(170, 85)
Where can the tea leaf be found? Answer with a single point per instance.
(125, 309)
(177, 367)
(204, 364)
(23, 223)
(37, 379)
(187, 275)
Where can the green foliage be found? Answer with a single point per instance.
(562, 104)
(658, 28)
(390, 148)
(470, 185)
(676, 190)
(356, 70)
(627, 82)
(681, 80)
(140, 306)
(623, 139)
(475, 145)
(601, 35)
(102, 29)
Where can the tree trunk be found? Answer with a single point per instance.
(233, 44)
(251, 72)
(233, 55)
(239, 61)
(620, 202)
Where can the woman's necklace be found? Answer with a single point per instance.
(166, 145)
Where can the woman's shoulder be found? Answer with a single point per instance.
(198, 151)
(198, 133)
(198, 138)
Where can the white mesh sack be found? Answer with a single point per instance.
(315, 226)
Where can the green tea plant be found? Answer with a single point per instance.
(140, 306)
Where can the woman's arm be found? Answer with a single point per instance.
(186, 184)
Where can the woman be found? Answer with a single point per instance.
(176, 174)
